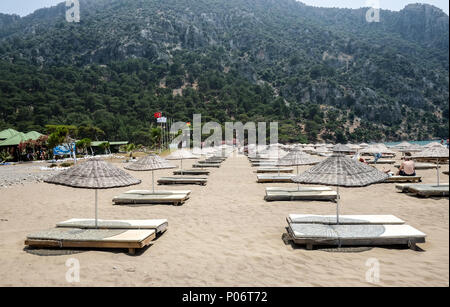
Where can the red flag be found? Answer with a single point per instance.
(157, 115)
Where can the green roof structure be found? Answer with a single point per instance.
(7, 133)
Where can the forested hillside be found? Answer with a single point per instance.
(324, 74)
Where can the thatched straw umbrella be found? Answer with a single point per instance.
(181, 154)
(340, 170)
(297, 157)
(152, 163)
(435, 153)
(94, 174)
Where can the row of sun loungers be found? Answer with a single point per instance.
(82, 233)
(353, 230)
(425, 190)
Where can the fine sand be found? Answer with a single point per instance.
(224, 235)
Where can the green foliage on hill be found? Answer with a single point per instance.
(321, 73)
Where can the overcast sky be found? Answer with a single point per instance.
(25, 7)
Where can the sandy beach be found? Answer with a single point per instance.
(224, 235)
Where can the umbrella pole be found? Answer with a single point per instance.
(337, 205)
(181, 166)
(153, 181)
(437, 171)
(96, 208)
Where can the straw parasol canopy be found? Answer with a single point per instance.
(181, 154)
(152, 163)
(339, 170)
(434, 153)
(94, 174)
(339, 148)
(296, 158)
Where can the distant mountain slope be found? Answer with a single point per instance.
(323, 72)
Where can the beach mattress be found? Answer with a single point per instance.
(382, 161)
(183, 180)
(274, 178)
(359, 235)
(344, 219)
(92, 238)
(158, 192)
(159, 225)
(427, 190)
(420, 166)
(274, 170)
(197, 165)
(192, 172)
(302, 195)
(298, 189)
(394, 179)
(175, 199)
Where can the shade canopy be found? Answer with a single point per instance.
(339, 170)
(94, 174)
(14, 140)
(7, 133)
(402, 145)
(435, 152)
(297, 157)
(181, 154)
(151, 162)
(339, 148)
(33, 135)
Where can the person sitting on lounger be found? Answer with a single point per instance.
(407, 168)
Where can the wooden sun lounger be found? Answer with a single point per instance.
(298, 196)
(274, 178)
(428, 190)
(130, 239)
(159, 192)
(264, 163)
(298, 189)
(135, 199)
(420, 188)
(344, 219)
(209, 162)
(216, 165)
(396, 179)
(183, 180)
(159, 225)
(354, 235)
(264, 170)
(192, 172)
(382, 161)
(420, 166)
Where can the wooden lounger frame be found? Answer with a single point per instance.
(131, 246)
(310, 243)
